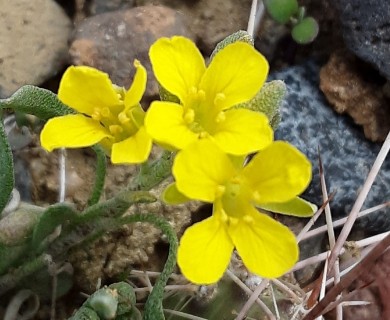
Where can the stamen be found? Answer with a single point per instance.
(203, 134)
(189, 116)
(256, 196)
(105, 112)
(224, 216)
(123, 118)
(193, 91)
(248, 219)
(220, 190)
(115, 129)
(235, 180)
(219, 98)
(233, 221)
(96, 114)
(201, 95)
(220, 117)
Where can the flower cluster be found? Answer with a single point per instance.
(212, 137)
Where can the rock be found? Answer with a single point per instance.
(34, 43)
(345, 82)
(210, 21)
(102, 6)
(366, 30)
(111, 41)
(309, 123)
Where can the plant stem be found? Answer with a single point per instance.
(101, 168)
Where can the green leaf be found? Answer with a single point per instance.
(50, 219)
(240, 35)
(268, 100)
(305, 31)
(7, 180)
(281, 10)
(296, 207)
(36, 101)
(9, 255)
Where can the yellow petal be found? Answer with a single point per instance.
(135, 149)
(84, 88)
(267, 248)
(134, 94)
(177, 64)
(173, 196)
(164, 123)
(278, 173)
(237, 72)
(204, 251)
(72, 131)
(201, 169)
(243, 131)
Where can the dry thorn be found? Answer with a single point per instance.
(359, 201)
(248, 291)
(364, 265)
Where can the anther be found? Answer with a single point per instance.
(233, 221)
(96, 114)
(193, 91)
(256, 196)
(219, 97)
(220, 190)
(203, 134)
(189, 116)
(220, 117)
(105, 112)
(201, 95)
(115, 129)
(248, 219)
(123, 118)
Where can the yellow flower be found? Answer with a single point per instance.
(107, 115)
(206, 95)
(276, 174)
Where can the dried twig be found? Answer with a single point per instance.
(359, 202)
(364, 265)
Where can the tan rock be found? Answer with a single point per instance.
(347, 85)
(210, 20)
(34, 42)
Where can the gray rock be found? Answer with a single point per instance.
(309, 123)
(366, 30)
(34, 43)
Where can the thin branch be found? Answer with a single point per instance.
(359, 201)
(255, 17)
(341, 222)
(331, 237)
(252, 17)
(274, 302)
(248, 291)
(62, 190)
(263, 284)
(364, 265)
(314, 218)
(183, 314)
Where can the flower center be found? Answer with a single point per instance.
(121, 123)
(200, 117)
(235, 198)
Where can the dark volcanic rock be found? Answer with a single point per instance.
(309, 123)
(366, 30)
